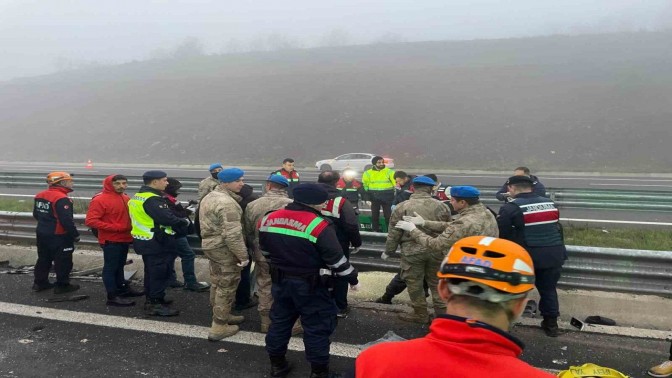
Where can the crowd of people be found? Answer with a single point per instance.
(478, 266)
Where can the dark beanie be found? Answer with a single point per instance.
(310, 194)
(173, 186)
(375, 159)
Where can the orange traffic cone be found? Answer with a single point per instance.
(89, 164)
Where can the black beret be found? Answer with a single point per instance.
(310, 194)
(513, 180)
(152, 175)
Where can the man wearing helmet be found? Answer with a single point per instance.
(484, 282)
(56, 234)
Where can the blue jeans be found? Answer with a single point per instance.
(294, 298)
(114, 260)
(187, 255)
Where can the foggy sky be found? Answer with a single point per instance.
(37, 36)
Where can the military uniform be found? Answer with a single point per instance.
(273, 199)
(223, 244)
(206, 186)
(474, 220)
(418, 263)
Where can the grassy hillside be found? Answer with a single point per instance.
(601, 102)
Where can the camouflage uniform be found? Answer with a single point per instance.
(473, 221)
(418, 263)
(272, 200)
(224, 245)
(206, 186)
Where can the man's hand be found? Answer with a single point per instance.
(357, 287)
(405, 225)
(416, 220)
(384, 256)
(243, 263)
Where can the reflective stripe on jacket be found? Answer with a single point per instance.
(143, 224)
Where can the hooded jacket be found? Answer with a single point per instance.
(108, 213)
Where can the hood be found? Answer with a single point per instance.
(107, 185)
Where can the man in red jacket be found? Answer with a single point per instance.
(108, 215)
(484, 282)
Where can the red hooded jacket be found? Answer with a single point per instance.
(108, 212)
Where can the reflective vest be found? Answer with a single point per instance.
(143, 224)
(300, 224)
(379, 180)
(333, 207)
(292, 177)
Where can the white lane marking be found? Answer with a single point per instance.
(164, 328)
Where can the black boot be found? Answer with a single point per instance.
(42, 287)
(385, 299)
(550, 326)
(62, 289)
(154, 307)
(127, 291)
(119, 302)
(279, 366)
(322, 371)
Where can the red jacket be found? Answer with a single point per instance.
(108, 212)
(455, 347)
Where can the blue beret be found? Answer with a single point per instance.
(230, 174)
(310, 194)
(152, 175)
(464, 192)
(424, 180)
(278, 179)
(214, 166)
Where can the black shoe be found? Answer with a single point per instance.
(62, 289)
(550, 326)
(37, 288)
(384, 300)
(176, 284)
(343, 314)
(322, 372)
(197, 287)
(253, 302)
(158, 309)
(129, 292)
(119, 302)
(280, 368)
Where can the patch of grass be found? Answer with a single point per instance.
(657, 240)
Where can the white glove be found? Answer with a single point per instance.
(405, 225)
(356, 287)
(393, 207)
(367, 203)
(416, 220)
(384, 256)
(354, 251)
(244, 263)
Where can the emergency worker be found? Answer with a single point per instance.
(300, 243)
(56, 234)
(154, 239)
(224, 245)
(379, 186)
(275, 197)
(351, 188)
(484, 294)
(534, 222)
(418, 263)
(339, 210)
(474, 219)
(287, 171)
(108, 215)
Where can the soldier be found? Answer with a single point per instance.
(56, 234)
(474, 219)
(274, 198)
(300, 243)
(224, 245)
(533, 221)
(340, 211)
(209, 184)
(418, 263)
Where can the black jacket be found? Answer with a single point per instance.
(404, 193)
(347, 224)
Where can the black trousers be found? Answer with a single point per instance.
(546, 281)
(57, 250)
(376, 205)
(157, 274)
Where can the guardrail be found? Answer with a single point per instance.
(592, 268)
(565, 198)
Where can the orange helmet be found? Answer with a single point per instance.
(56, 177)
(493, 269)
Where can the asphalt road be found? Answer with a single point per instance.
(84, 339)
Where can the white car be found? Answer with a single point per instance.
(359, 162)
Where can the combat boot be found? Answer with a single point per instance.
(280, 368)
(155, 308)
(221, 330)
(235, 319)
(419, 315)
(265, 321)
(550, 326)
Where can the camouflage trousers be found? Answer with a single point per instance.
(224, 277)
(417, 268)
(263, 273)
